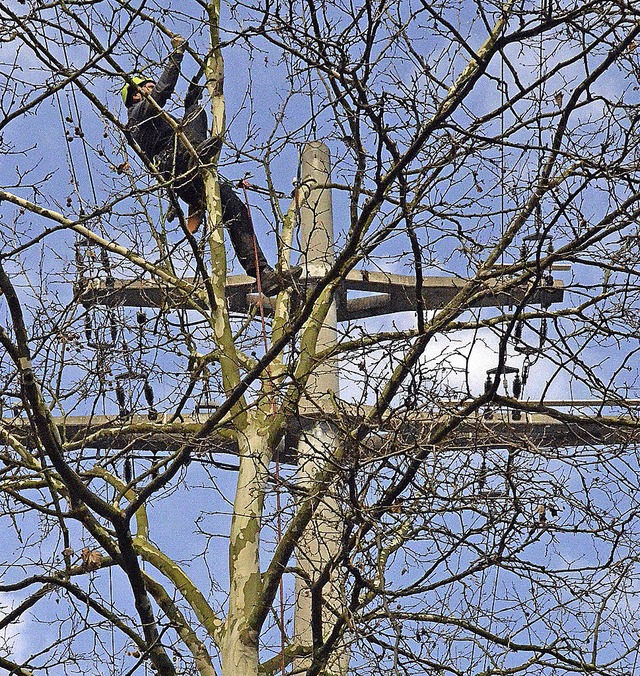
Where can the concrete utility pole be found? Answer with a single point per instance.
(316, 244)
(377, 293)
(321, 540)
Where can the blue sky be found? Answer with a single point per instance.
(256, 87)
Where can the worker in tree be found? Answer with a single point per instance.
(150, 128)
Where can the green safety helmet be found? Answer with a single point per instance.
(137, 81)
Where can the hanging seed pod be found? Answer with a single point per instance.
(487, 385)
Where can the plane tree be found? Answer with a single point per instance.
(185, 487)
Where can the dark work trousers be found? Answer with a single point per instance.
(178, 164)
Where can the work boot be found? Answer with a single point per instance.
(272, 282)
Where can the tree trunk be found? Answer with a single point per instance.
(240, 644)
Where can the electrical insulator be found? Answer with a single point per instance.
(104, 259)
(121, 401)
(518, 330)
(543, 331)
(523, 252)
(141, 318)
(517, 386)
(148, 393)
(80, 264)
(106, 265)
(482, 474)
(538, 221)
(517, 391)
(113, 326)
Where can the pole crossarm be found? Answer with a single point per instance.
(134, 432)
(500, 429)
(379, 293)
(492, 428)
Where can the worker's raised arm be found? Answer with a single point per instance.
(167, 81)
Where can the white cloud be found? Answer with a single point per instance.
(15, 639)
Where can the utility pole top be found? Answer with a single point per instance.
(378, 293)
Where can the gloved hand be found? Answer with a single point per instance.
(178, 43)
(194, 94)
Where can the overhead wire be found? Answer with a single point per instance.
(114, 317)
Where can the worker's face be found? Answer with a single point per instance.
(147, 87)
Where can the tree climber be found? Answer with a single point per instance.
(150, 128)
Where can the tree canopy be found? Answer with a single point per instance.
(185, 487)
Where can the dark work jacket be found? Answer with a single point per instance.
(148, 126)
